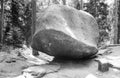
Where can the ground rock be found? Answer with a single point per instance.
(65, 32)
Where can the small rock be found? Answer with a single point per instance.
(103, 65)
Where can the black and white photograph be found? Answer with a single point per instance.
(59, 38)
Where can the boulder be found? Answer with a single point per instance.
(65, 32)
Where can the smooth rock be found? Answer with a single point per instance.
(65, 32)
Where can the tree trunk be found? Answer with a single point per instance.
(81, 4)
(118, 23)
(114, 32)
(2, 21)
(64, 2)
(33, 16)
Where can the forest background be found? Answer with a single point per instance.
(18, 19)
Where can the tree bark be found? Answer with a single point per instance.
(114, 24)
(118, 22)
(33, 17)
(64, 2)
(2, 21)
(81, 4)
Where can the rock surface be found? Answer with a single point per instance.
(61, 68)
(65, 32)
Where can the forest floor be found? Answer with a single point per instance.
(15, 65)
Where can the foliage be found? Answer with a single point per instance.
(17, 21)
(99, 9)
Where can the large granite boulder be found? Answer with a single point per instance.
(65, 32)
